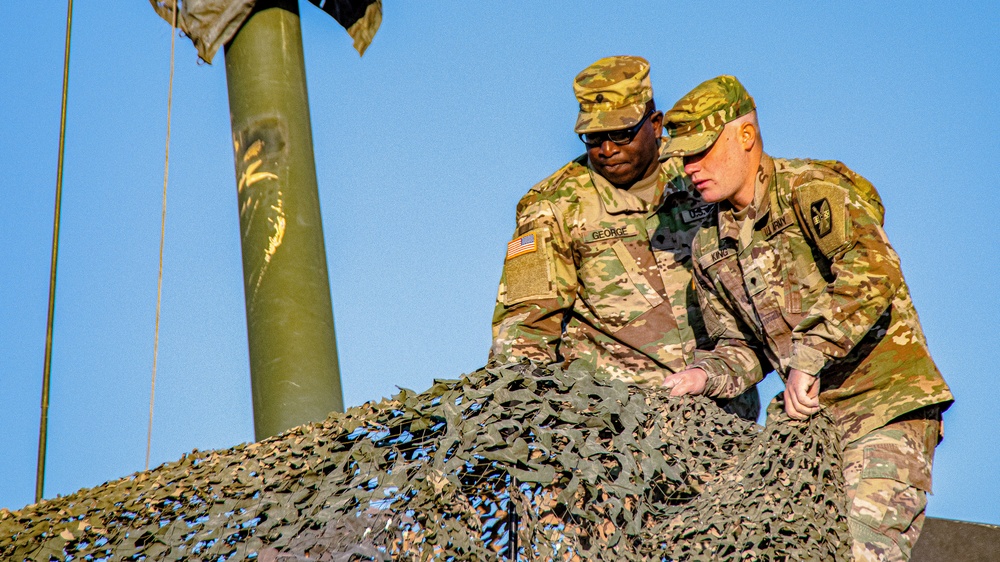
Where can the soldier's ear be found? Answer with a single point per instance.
(747, 136)
(657, 120)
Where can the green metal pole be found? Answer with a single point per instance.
(293, 352)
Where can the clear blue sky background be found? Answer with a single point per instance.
(423, 148)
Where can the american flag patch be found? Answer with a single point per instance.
(520, 246)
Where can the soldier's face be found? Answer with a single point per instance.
(625, 164)
(721, 173)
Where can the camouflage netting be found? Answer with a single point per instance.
(544, 464)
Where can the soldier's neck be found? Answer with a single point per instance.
(646, 188)
(744, 196)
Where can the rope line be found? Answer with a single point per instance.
(43, 427)
(163, 223)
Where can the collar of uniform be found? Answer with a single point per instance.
(616, 200)
(762, 186)
(729, 227)
(675, 181)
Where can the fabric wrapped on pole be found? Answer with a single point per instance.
(210, 24)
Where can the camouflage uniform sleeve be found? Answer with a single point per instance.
(734, 365)
(537, 287)
(863, 268)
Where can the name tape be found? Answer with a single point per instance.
(611, 232)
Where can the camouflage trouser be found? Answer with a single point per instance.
(888, 476)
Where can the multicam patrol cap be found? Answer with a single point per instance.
(697, 119)
(612, 93)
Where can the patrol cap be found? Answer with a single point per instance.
(612, 93)
(697, 119)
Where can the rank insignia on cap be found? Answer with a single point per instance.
(520, 246)
(822, 217)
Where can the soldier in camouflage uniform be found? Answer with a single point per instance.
(794, 263)
(599, 270)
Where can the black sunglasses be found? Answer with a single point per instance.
(619, 137)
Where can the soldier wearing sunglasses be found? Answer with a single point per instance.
(598, 273)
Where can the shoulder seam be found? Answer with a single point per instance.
(560, 175)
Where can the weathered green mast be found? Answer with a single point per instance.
(293, 354)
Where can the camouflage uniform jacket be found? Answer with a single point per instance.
(606, 278)
(810, 279)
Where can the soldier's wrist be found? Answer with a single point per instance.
(713, 383)
(806, 359)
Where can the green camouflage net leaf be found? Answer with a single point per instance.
(512, 461)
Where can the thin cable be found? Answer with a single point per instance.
(163, 229)
(43, 427)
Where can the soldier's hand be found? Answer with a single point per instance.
(801, 395)
(691, 381)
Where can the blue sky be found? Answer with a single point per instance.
(423, 148)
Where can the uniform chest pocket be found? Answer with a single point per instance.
(729, 278)
(720, 264)
(613, 285)
(724, 269)
(801, 279)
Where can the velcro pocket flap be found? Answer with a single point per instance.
(890, 462)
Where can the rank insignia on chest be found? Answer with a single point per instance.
(754, 280)
(821, 216)
(520, 246)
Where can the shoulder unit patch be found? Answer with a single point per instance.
(821, 216)
(823, 207)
